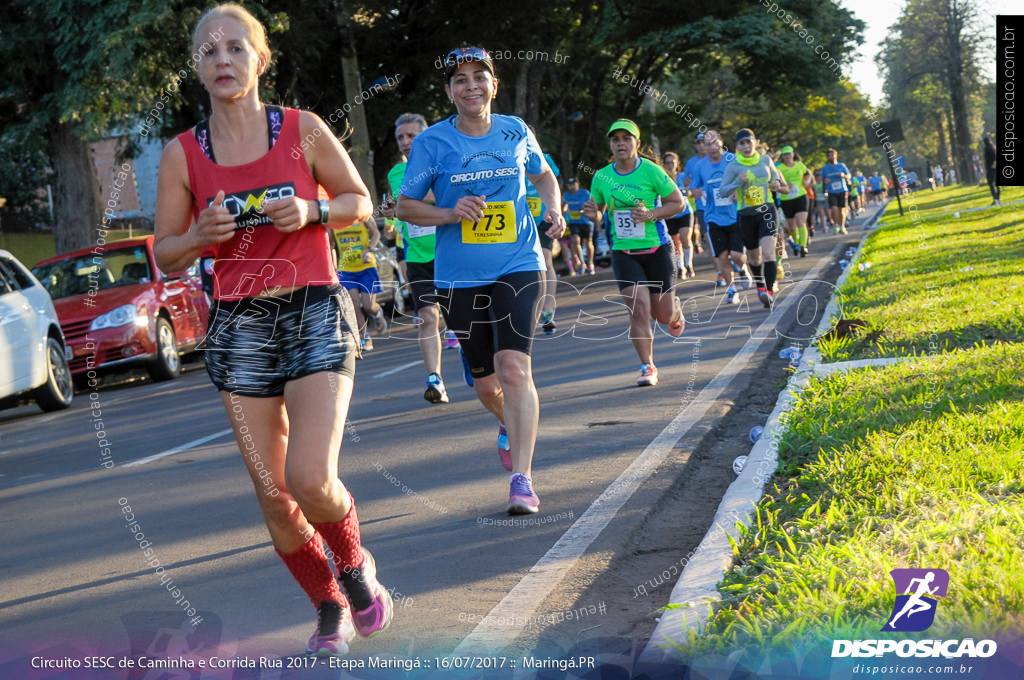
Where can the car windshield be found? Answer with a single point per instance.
(109, 269)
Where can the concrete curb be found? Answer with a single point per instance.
(696, 590)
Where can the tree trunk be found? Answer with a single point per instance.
(359, 142)
(77, 205)
(943, 150)
(961, 135)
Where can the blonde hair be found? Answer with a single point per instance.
(256, 34)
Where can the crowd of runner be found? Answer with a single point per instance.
(476, 210)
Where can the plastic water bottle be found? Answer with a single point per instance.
(863, 266)
(843, 263)
(738, 464)
(755, 433)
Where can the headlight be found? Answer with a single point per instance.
(120, 316)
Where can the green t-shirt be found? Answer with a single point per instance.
(648, 183)
(793, 175)
(418, 241)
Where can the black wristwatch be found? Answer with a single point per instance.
(325, 211)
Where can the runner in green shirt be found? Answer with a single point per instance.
(794, 203)
(419, 257)
(641, 248)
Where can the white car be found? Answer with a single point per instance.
(32, 360)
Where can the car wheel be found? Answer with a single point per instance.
(56, 393)
(167, 363)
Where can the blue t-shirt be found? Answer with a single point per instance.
(537, 206)
(875, 182)
(575, 203)
(831, 175)
(453, 165)
(688, 168)
(707, 177)
(686, 204)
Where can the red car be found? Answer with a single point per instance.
(117, 309)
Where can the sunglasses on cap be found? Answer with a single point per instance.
(466, 54)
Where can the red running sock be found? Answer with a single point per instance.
(343, 540)
(310, 568)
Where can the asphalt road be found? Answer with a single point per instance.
(426, 478)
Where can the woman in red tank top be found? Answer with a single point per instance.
(248, 186)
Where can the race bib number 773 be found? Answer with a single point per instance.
(498, 225)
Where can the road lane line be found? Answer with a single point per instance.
(177, 449)
(397, 369)
(522, 602)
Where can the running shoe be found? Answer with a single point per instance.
(363, 589)
(692, 274)
(699, 249)
(435, 393)
(467, 374)
(504, 450)
(735, 268)
(681, 274)
(367, 342)
(810, 230)
(803, 251)
(675, 328)
(380, 324)
(793, 246)
(521, 498)
(572, 271)
(765, 297)
(781, 273)
(648, 375)
(721, 280)
(547, 322)
(450, 341)
(333, 632)
(731, 296)
(592, 270)
(842, 230)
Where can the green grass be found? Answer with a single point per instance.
(917, 464)
(913, 465)
(938, 282)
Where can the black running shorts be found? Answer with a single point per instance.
(494, 317)
(724, 237)
(421, 284)
(797, 205)
(756, 225)
(654, 270)
(837, 200)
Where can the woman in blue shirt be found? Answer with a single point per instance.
(477, 164)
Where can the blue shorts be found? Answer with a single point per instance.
(256, 345)
(367, 281)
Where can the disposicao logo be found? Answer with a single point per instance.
(917, 593)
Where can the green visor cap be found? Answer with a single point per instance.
(627, 125)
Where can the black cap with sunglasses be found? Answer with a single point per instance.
(462, 55)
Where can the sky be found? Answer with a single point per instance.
(880, 14)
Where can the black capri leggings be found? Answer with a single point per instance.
(493, 317)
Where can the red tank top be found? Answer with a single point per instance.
(259, 257)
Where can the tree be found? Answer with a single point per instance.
(932, 60)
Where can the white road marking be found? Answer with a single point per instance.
(523, 600)
(177, 449)
(397, 369)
